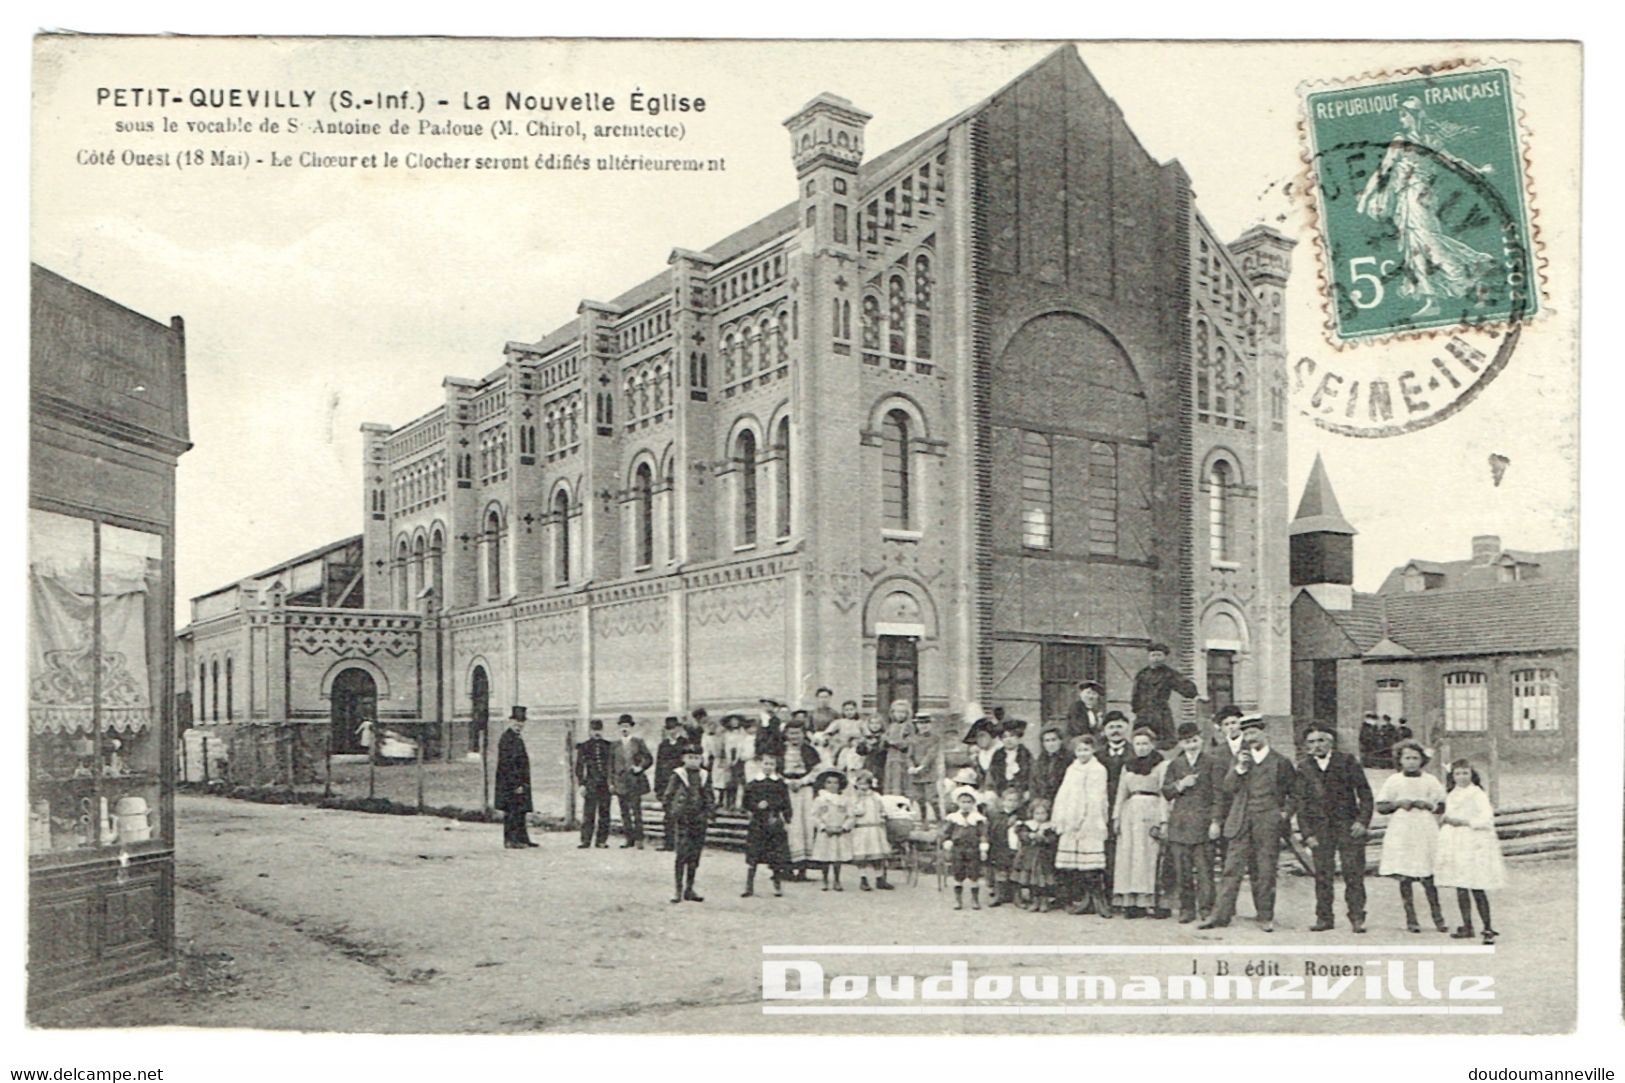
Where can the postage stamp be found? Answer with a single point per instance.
(1422, 200)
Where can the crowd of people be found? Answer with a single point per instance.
(1111, 817)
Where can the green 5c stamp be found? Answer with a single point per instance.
(1421, 193)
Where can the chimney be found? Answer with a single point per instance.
(1486, 547)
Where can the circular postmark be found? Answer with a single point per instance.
(1418, 190)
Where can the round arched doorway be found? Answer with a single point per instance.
(354, 698)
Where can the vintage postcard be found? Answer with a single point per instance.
(802, 537)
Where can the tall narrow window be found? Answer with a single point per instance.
(745, 489)
(1037, 491)
(840, 224)
(1238, 398)
(437, 567)
(1103, 499)
(493, 554)
(922, 307)
(1221, 403)
(403, 558)
(781, 439)
(1466, 701)
(728, 359)
(784, 338)
(871, 323)
(894, 471)
(214, 690)
(561, 537)
(896, 316)
(1218, 512)
(671, 510)
(419, 555)
(202, 691)
(643, 502)
(230, 698)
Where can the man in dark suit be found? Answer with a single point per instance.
(1114, 751)
(592, 775)
(629, 762)
(1334, 813)
(668, 758)
(1226, 740)
(1152, 687)
(1191, 782)
(1256, 801)
(513, 782)
(1088, 711)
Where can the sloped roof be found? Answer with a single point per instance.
(286, 565)
(1363, 624)
(1513, 618)
(1554, 564)
(1318, 511)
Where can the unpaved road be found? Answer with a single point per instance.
(310, 919)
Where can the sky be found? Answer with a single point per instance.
(316, 300)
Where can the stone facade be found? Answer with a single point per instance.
(945, 427)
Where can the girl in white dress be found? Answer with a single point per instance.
(1080, 816)
(1469, 852)
(870, 846)
(832, 826)
(1412, 800)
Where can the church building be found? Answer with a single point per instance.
(964, 423)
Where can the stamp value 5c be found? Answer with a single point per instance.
(1421, 194)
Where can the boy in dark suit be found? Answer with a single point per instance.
(592, 774)
(668, 758)
(1335, 815)
(689, 803)
(513, 782)
(1190, 782)
(1256, 801)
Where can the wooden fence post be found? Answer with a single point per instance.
(570, 773)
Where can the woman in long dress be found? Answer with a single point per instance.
(1080, 816)
(1412, 800)
(800, 763)
(1469, 855)
(1140, 808)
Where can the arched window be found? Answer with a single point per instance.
(1218, 512)
(229, 690)
(561, 536)
(1037, 491)
(403, 556)
(493, 554)
(644, 516)
(671, 509)
(747, 363)
(745, 489)
(419, 553)
(1220, 400)
(214, 689)
(728, 359)
(922, 307)
(871, 322)
(784, 338)
(781, 440)
(895, 479)
(896, 316)
(202, 691)
(1238, 398)
(437, 567)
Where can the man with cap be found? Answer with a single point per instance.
(513, 782)
(823, 712)
(1334, 813)
(689, 805)
(1191, 783)
(592, 775)
(1256, 801)
(1088, 712)
(1226, 741)
(1152, 687)
(629, 763)
(668, 757)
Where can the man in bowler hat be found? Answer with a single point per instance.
(1088, 712)
(592, 775)
(1190, 783)
(629, 763)
(513, 782)
(1335, 816)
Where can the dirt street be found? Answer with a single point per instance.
(310, 919)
